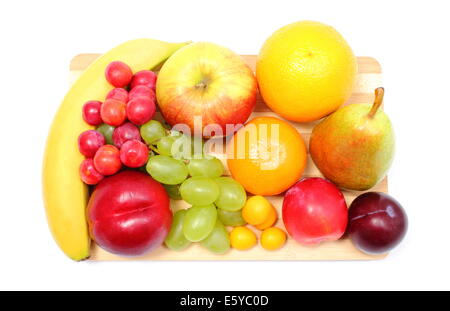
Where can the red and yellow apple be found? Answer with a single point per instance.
(208, 81)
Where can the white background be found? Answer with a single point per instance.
(409, 38)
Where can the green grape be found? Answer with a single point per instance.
(197, 145)
(199, 190)
(232, 195)
(173, 191)
(164, 145)
(152, 131)
(218, 241)
(211, 167)
(181, 147)
(167, 170)
(228, 218)
(175, 133)
(176, 240)
(199, 222)
(107, 131)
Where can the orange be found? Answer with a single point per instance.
(266, 156)
(273, 238)
(242, 238)
(271, 219)
(305, 71)
(256, 210)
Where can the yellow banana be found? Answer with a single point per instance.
(65, 195)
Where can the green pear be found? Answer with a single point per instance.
(354, 146)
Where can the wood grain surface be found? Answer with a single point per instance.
(369, 78)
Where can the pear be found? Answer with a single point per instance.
(354, 146)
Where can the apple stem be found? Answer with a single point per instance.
(379, 94)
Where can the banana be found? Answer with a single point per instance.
(65, 195)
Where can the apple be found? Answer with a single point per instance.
(377, 222)
(314, 210)
(209, 81)
(129, 214)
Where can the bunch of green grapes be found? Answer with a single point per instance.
(216, 201)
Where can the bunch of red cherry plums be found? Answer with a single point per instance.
(117, 140)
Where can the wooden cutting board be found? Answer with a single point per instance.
(369, 78)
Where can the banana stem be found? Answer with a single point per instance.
(379, 94)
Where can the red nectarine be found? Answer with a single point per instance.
(314, 210)
(129, 214)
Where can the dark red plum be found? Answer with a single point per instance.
(377, 222)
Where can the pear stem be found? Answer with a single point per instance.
(379, 94)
